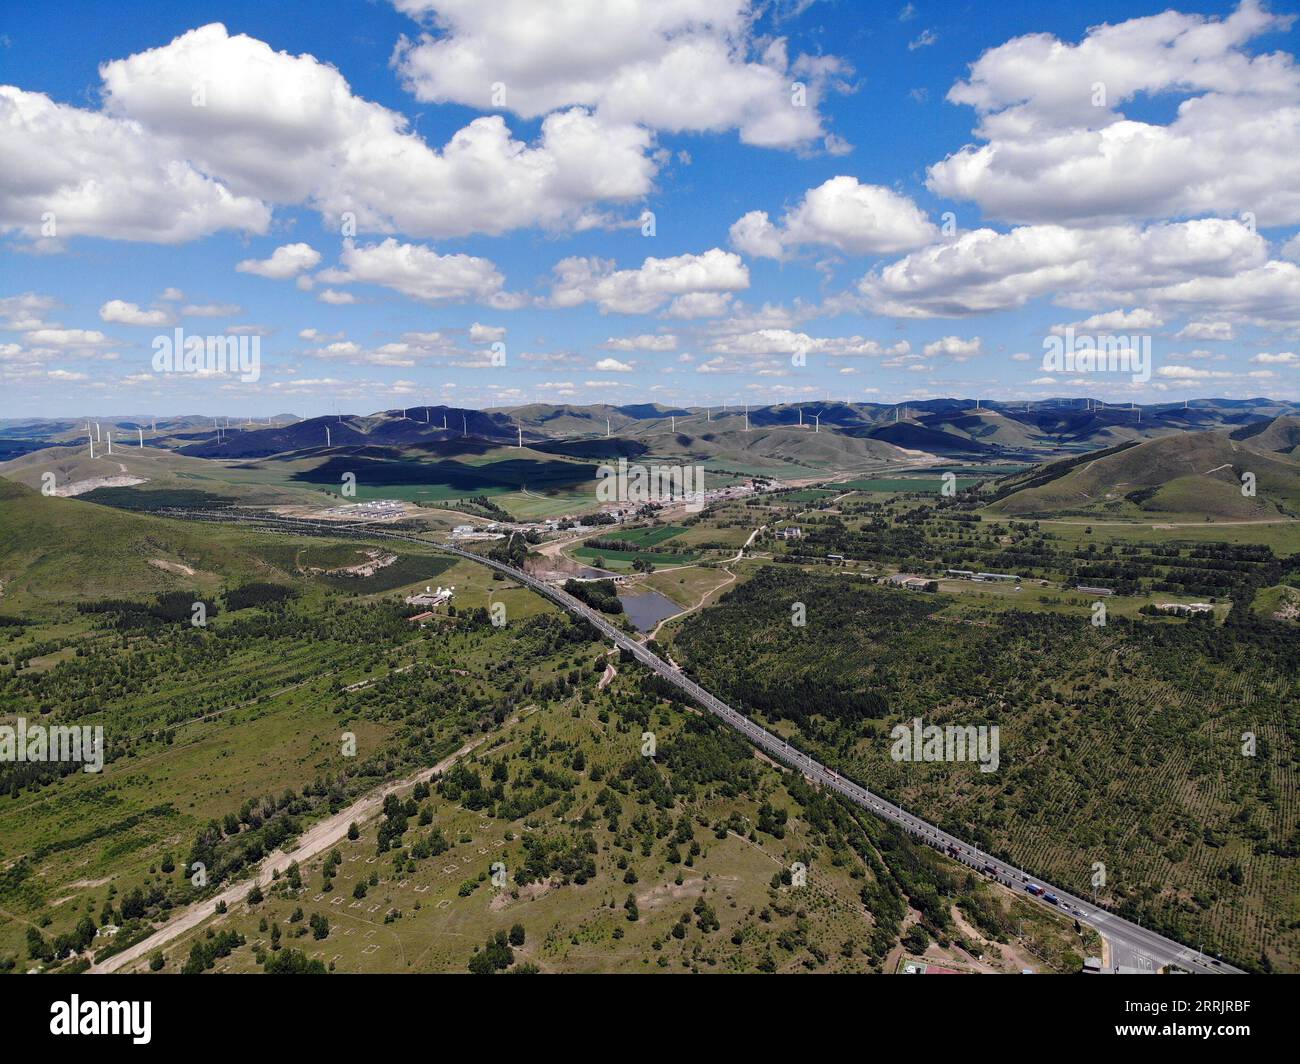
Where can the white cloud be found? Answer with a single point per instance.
(275, 128)
(955, 347)
(696, 305)
(984, 270)
(91, 174)
(841, 213)
(780, 341)
(644, 342)
(634, 63)
(613, 365)
(1282, 358)
(119, 312)
(286, 261)
(1113, 321)
(25, 311)
(336, 298)
(421, 273)
(486, 334)
(1056, 151)
(172, 295)
(640, 291)
(67, 338)
(1205, 330)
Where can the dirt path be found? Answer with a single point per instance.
(731, 577)
(315, 840)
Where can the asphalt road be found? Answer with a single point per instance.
(1132, 945)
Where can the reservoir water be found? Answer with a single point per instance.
(647, 608)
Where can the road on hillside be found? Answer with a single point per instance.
(315, 840)
(1133, 945)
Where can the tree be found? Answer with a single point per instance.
(354, 832)
(517, 935)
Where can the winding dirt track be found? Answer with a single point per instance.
(315, 840)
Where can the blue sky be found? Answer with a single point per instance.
(457, 200)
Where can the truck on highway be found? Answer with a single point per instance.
(1034, 889)
(1052, 898)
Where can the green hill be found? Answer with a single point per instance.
(1282, 434)
(55, 550)
(1194, 476)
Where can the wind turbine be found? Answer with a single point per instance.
(818, 419)
(327, 436)
(746, 417)
(141, 431)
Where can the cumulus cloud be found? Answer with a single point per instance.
(841, 213)
(289, 128)
(1113, 321)
(613, 365)
(954, 347)
(421, 273)
(640, 291)
(91, 174)
(1059, 149)
(644, 342)
(777, 341)
(286, 261)
(25, 311)
(1205, 330)
(119, 312)
(275, 128)
(633, 63)
(1158, 266)
(335, 297)
(694, 305)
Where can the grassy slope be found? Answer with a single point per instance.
(1196, 474)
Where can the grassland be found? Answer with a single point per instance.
(607, 870)
(230, 739)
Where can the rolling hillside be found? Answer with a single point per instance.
(1194, 475)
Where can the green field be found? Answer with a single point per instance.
(623, 559)
(650, 536)
(891, 485)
